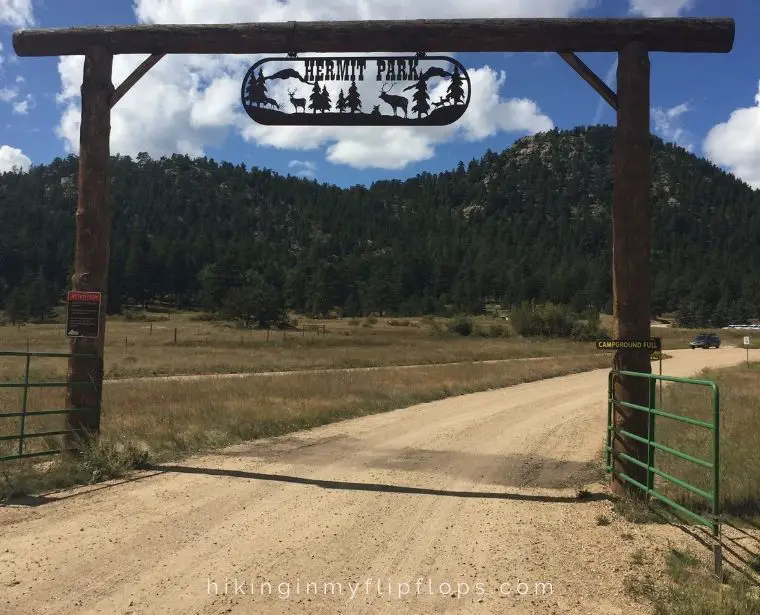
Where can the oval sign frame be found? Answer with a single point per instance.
(256, 103)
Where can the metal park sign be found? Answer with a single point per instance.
(414, 90)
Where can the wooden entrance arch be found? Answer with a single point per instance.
(631, 39)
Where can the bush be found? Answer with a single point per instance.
(462, 326)
(499, 330)
(551, 320)
(547, 320)
(584, 331)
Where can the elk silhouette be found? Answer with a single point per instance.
(297, 102)
(393, 100)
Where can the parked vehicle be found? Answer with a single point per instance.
(705, 340)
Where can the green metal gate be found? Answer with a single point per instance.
(651, 409)
(20, 433)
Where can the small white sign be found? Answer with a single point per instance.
(746, 340)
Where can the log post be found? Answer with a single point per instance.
(631, 255)
(93, 228)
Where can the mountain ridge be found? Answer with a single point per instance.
(531, 222)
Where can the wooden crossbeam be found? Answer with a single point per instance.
(136, 75)
(590, 77)
(475, 35)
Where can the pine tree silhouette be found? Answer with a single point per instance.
(353, 100)
(341, 104)
(256, 91)
(325, 102)
(315, 98)
(421, 98)
(455, 92)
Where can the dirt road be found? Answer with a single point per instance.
(447, 506)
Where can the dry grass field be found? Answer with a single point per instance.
(165, 418)
(140, 348)
(160, 420)
(689, 587)
(739, 438)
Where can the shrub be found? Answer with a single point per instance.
(584, 331)
(552, 320)
(547, 320)
(462, 326)
(499, 330)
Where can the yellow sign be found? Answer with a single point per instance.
(651, 344)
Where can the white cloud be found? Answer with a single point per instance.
(16, 13)
(735, 143)
(231, 11)
(21, 107)
(661, 8)
(11, 96)
(13, 159)
(667, 124)
(8, 94)
(306, 168)
(187, 103)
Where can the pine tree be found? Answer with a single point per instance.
(421, 98)
(315, 98)
(353, 99)
(325, 104)
(341, 104)
(256, 90)
(16, 308)
(455, 91)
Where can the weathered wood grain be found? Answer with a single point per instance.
(665, 34)
(631, 268)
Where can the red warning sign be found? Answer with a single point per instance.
(83, 314)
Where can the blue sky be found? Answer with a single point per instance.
(704, 102)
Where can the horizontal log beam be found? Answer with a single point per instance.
(456, 35)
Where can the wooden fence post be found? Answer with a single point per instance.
(630, 255)
(93, 229)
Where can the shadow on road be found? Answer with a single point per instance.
(32, 501)
(330, 484)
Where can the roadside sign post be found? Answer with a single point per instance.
(746, 346)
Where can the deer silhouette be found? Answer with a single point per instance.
(271, 101)
(393, 100)
(376, 111)
(297, 102)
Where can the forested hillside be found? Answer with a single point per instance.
(532, 222)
